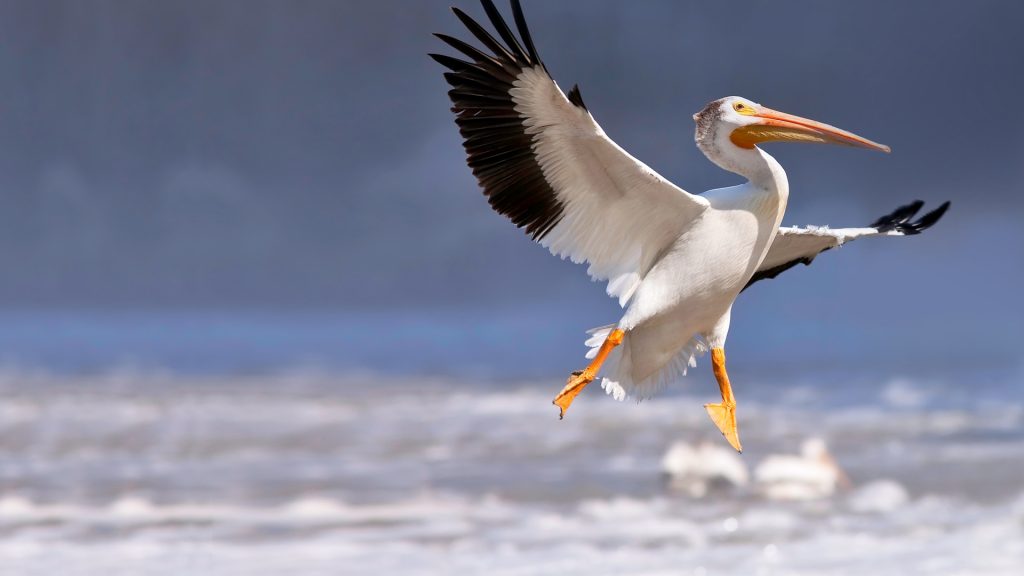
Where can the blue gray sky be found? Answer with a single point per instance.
(299, 157)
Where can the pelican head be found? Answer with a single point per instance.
(814, 448)
(743, 124)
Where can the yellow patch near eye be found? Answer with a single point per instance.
(744, 109)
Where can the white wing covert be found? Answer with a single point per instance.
(793, 245)
(544, 162)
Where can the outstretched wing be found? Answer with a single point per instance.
(794, 245)
(545, 163)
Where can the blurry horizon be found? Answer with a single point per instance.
(284, 182)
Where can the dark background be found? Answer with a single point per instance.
(283, 181)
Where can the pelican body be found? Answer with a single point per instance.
(811, 475)
(676, 261)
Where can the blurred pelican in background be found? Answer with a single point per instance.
(703, 468)
(811, 475)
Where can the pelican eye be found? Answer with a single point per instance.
(743, 108)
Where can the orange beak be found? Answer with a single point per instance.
(775, 126)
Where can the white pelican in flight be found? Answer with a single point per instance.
(676, 261)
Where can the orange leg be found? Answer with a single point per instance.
(579, 379)
(723, 414)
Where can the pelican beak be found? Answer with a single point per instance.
(774, 126)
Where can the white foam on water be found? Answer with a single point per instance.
(138, 473)
(879, 496)
(444, 534)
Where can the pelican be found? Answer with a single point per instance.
(675, 261)
(700, 469)
(812, 475)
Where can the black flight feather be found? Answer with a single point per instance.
(499, 151)
(575, 97)
(524, 32)
(503, 30)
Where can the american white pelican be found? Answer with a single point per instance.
(676, 261)
(697, 470)
(811, 475)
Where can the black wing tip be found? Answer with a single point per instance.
(509, 53)
(575, 97)
(448, 39)
(453, 64)
(459, 13)
(524, 33)
(503, 30)
(442, 37)
(900, 219)
(499, 150)
(929, 219)
(898, 216)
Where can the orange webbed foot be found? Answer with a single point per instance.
(576, 383)
(724, 416)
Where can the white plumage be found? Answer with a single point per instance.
(811, 475)
(698, 470)
(619, 214)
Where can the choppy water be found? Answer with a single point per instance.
(307, 473)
